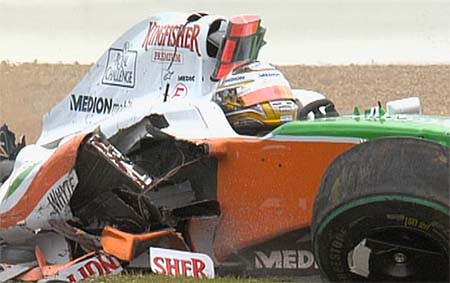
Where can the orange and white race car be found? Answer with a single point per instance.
(180, 153)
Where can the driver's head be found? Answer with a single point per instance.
(256, 98)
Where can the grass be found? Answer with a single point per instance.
(154, 278)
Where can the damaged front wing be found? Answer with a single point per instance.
(113, 216)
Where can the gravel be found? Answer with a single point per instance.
(29, 90)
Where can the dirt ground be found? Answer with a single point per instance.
(29, 90)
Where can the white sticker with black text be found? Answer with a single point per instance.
(121, 67)
(174, 262)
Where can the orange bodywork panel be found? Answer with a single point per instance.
(32, 275)
(267, 187)
(61, 162)
(44, 270)
(127, 246)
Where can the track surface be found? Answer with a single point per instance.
(29, 90)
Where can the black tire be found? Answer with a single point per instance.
(382, 213)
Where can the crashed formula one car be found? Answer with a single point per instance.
(181, 154)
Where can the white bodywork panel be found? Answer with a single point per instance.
(55, 248)
(136, 77)
(131, 79)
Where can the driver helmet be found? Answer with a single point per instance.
(256, 98)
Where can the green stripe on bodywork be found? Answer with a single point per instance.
(19, 180)
(427, 127)
(378, 198)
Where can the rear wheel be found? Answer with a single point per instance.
(382, 213)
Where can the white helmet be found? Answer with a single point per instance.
(256, 98)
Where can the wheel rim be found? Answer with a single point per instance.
(399, 254)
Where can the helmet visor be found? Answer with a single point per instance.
(266, 94)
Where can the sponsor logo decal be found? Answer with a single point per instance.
(180, 91)
(120, 67)
(98, 265)
(172, 35)
(91, 104)
(173, 262)
(235, 79)
(96, 104)
(60, 196)
(288, 255)
(168, 75)
(268, 75)
(186, 78)
(167, 56)
(285, 259)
